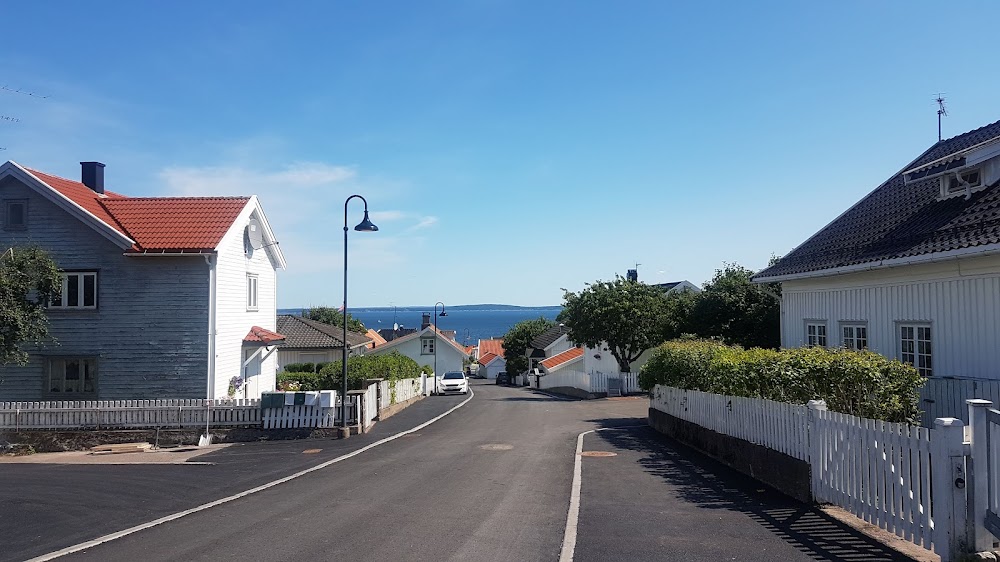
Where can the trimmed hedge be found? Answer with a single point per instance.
(392, 366)
(860, 383)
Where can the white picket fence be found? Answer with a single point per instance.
(774, 425)
(587, 382)
(129, 414)
(407, 389)
(888, 474)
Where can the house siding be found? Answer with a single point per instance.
(149, 332)
(233, 320)
(960, 299)
(448, 358)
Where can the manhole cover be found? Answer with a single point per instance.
(496, 447)
(598, 454)
(311, 451)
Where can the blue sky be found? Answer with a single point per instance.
(506, 148)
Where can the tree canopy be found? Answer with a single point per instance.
(28, 279)
(517, 340)
(737, 311)
(627, 315)
(334, 317)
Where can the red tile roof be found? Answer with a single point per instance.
(491, 346)
(376, 338)
(262, 336)
(571, 354)
(176, 223)
(485, 360)
(156, 224)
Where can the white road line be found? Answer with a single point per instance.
(178, 515)
(573, 516)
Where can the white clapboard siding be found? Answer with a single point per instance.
(129, 414)
(775, 425)
(877, 470)
(565, 379)
(945, 398)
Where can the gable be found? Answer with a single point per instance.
(904, 220)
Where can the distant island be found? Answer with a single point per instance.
(431, 307)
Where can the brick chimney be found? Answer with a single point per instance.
(92, 175)
(425, 321)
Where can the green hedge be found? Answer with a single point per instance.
(860, 383)
(392, 366)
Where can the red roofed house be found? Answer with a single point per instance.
(491, 358)
(163, 297)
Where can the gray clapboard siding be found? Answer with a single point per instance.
(150, 329)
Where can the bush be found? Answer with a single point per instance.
(861, 383)
(392, 366)
(289, 381)
(301, 368)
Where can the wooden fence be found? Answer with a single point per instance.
(774, 425)
(129, 414)
(945, 398)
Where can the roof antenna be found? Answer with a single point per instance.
(941, 111)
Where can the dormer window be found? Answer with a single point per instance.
(960, 183)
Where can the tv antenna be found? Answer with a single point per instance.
(942, 111)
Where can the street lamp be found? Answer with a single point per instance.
(365, 226)
(443, 313)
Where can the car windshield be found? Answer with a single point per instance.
(454, 376)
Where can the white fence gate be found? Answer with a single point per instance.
(945, 398)
(908, 480)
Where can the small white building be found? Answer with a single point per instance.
(426, 345)
(912, 271)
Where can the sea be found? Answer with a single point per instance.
(470, 322)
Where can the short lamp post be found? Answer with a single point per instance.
(365, 226)
(443, 313)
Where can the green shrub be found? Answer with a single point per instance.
(861, 383)
(298, 381)
(392, 366)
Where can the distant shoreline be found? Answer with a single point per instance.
(431, 307)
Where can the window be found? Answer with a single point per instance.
(971, 177)
(15, 214)
(915, 346)
(855, 336)
(70, 376)
(427, 346)
(251, 291)
(816, 334)
(79, 290)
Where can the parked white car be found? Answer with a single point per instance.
(453, 382)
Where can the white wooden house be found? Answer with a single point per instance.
(912, 271)
(162, 297)
(423, 346)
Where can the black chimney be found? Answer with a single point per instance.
(632, 275)
(426, 321)
(93, 175)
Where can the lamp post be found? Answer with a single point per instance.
(443, 313)
(365, 226)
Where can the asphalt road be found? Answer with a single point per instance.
(490, 481)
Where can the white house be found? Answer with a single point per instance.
(912, 271)
(162, 297)
(426, 345)
(489, 354)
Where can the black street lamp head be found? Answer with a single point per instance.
(442, 313)
(366, 225)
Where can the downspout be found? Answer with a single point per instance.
(210, 383)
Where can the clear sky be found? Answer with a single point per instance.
(507, 149)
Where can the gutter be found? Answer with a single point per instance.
(978, 251)
(210, 259)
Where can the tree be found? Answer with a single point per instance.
(28, 279)
(738, 311)
(627, 315)
(334, 317)
(517, 340)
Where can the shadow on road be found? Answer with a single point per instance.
(708, 484)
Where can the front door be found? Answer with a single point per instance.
(251, 372)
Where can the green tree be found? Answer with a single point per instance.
(334, 317)
(517, 340)
(738, 311)
(627, 315)
(28, 279)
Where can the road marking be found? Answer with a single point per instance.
(573, 516)
(261, 488)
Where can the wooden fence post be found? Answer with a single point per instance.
(815, 445)
(948, 489)
(980, 539)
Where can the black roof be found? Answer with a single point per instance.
(306, 333)
(903, 220)
(548, 336)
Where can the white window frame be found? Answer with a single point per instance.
(253, 284)
(946, 188)
(7, 204)
(63, 300)
(915, 345)
(66, 388)
(427, 346)
(853, 328)
(820, 336)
